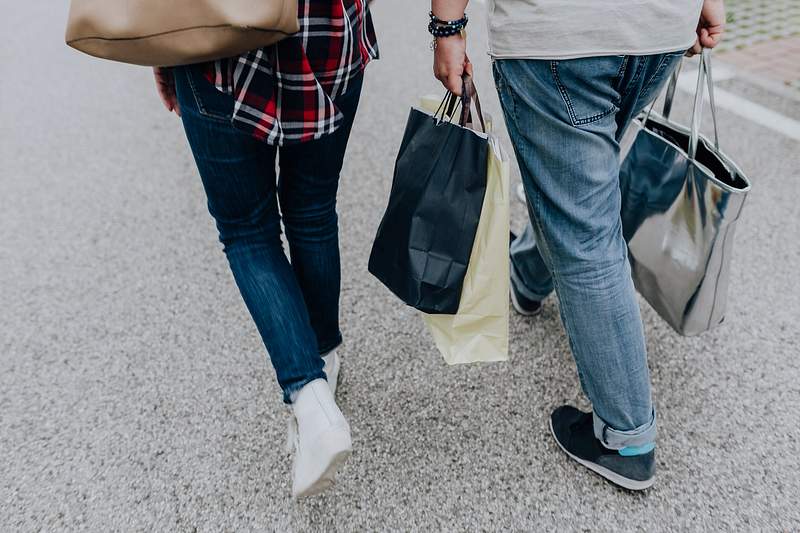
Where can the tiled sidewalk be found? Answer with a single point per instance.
(778, 60)
(763, 39)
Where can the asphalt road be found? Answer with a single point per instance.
(134, 390)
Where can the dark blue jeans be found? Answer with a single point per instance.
(295, 304)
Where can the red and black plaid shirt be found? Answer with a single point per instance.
(285, 93)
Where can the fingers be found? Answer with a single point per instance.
(454, 83)
(164, 96)
(696, 48)
(712, 23)
(171, 98)
(451, 80)
(165, 86)
(706, 38)
(711, 26)
(710, 37)
(450, 62)
(450, 77)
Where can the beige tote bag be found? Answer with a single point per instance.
(177, 32)
(478, 333)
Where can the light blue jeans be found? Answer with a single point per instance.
(566, 119)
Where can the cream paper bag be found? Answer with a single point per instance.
(479, 331)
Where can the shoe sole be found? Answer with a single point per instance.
(518, 308)
(610, 475)
(327, 480)
(344, 446)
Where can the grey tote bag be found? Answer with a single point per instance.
(681, 199)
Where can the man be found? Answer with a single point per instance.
(571, 75)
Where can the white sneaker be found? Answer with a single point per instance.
(332, 369)
(321, 442)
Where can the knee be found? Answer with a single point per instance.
(599, 259)
(312, 223)
(259, 227)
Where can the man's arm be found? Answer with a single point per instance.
(710, 27)
(450, 57)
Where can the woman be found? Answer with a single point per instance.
(295, 100)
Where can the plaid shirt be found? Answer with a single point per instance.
(285, 93)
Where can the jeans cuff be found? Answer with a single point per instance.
(290, 392)
(519, 286)
(614, 439)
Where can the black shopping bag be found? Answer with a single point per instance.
(424, 242)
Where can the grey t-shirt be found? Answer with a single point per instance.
(564, 29)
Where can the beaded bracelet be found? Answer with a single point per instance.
(444, 31)
(446, 28)
(457, 22)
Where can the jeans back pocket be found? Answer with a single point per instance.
(589, 86)
(211, 102)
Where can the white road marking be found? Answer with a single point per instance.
(743, 107)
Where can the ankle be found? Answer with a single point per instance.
(314, 405)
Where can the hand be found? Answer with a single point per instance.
(450, 62)
(165, 84)
(710, 28)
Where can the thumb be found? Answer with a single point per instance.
(468, 68)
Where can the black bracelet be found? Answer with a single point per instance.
(444, 31)
(458, 22)
(446, 28)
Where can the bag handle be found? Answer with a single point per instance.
(470, 94)
(670, 93)
(704, 79)
(450, 103)
(704, 74)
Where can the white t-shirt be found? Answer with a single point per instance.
(564, 29)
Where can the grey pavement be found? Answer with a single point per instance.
(135, 393)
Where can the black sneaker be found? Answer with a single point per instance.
(632, 469)
(524, 306)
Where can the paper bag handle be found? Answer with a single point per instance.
(450, 103)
